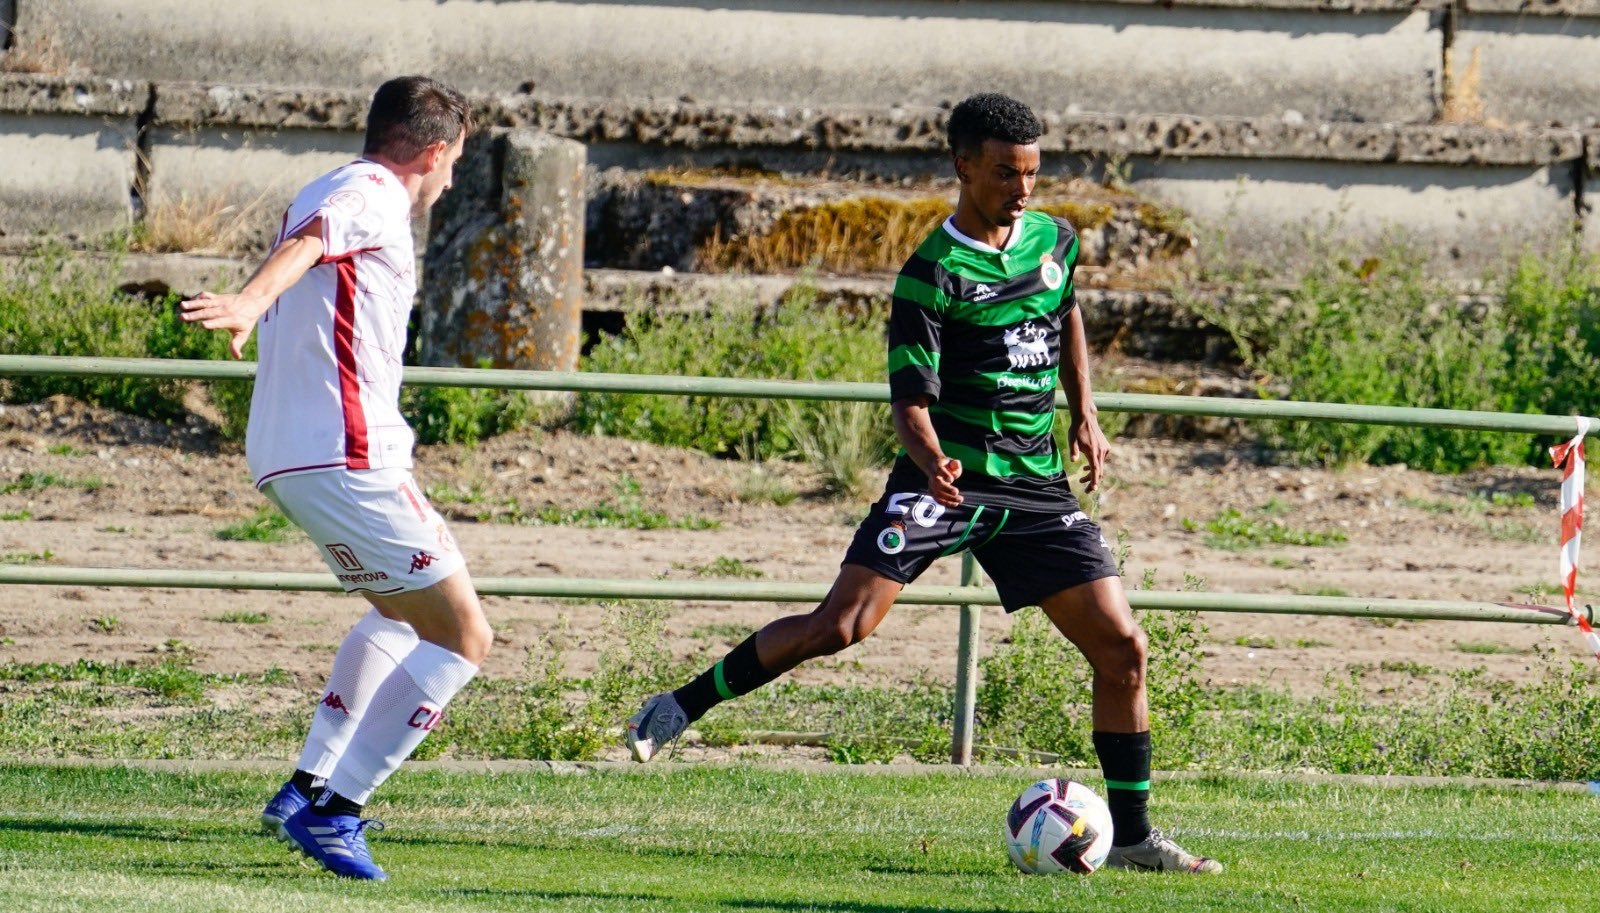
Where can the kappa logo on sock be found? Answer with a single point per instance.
(336, 702)
(421, 560)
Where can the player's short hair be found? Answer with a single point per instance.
(991, 116)
(411, 113)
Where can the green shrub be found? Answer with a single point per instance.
(797, 340)
(1381, 333)
(57, 302)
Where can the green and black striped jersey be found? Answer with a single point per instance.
(978, 331)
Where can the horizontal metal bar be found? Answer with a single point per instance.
(584, 381)
(731, 591)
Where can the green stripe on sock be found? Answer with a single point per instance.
(721, 682)
(1143, 785)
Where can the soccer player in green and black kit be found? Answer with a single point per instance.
(983, 318)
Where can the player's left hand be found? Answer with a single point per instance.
(1089, 443)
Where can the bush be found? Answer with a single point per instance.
(1380, 333)
(797, 340)
(56, 302)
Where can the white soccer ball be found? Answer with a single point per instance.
(1058, 826)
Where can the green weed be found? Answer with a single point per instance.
(1321, 591)
(243, 618)
(624, 510)
(1488, 648)
(105, 624)
(721, 566)
(15, 515)
(1232, 531)
(1517, 531)
(1256, 641)
(720, 631)
(267, 525)
(26, 557)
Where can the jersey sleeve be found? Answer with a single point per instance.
(350, 221)
(914, 328)
(1066, 253)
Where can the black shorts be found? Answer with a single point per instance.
(1028, 555)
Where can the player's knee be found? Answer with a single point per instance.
(829, 635)
(476, 639)
(1123, 664)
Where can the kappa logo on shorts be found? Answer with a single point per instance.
(345, 556)
(336, 702)
(421, 560)
(892, 541)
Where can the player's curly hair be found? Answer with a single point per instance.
(991, 116)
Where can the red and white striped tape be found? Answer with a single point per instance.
(1569, 459)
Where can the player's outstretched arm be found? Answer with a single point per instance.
(237, 314)
(915, 430)
(1087, 440)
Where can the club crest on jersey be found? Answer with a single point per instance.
(1025, 346)
(1050, 272)
(892, 541)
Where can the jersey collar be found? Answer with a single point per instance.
(1016, 236)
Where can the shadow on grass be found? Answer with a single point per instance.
(647, 901)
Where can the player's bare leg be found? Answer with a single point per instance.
(852, 610)
(1096, 617)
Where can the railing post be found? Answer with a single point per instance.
(966, 698)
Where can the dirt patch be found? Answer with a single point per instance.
(93, 488)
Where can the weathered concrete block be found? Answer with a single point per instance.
(256, 172)
(1530, 69)
(65, 174)
(503, 272)
(1379, 65)
(29, 93)
(1469, 220)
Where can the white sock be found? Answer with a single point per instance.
(408, 704)
(370, 653)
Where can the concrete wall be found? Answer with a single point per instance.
(1117, 57)
(1262, 117)
(76, 174)
(1531, 69)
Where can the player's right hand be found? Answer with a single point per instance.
(222, 312)
(942, 482)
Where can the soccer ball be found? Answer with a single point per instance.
(1058, 826)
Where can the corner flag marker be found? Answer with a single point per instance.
(1568, 458)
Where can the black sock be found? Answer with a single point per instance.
(330, 803)
(308, 783)
(740, 672)
(1125, 761)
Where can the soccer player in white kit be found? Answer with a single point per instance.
(327, 444)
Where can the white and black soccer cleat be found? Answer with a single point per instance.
(658, 722)
(1158, 853)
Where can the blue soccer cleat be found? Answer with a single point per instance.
(339, 842)
(283, 806)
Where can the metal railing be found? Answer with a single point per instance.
(968, 596)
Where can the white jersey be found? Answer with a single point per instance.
(327, 392)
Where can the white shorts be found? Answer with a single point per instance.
(375, 529)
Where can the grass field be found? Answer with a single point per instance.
(748, 839)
